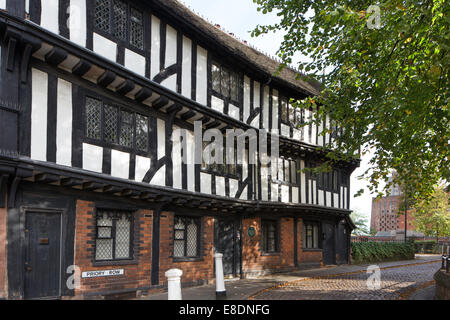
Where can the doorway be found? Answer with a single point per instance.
(227, 240)
(42, 255)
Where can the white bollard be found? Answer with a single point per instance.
(221, 292)
(174, 284)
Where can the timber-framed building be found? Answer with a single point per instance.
(98, 100)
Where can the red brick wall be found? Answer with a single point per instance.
(135, 275)
(3, 289)
(306, 256)
(193, 270)
(254, 260)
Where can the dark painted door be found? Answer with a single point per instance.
(227, 242)
(42, 258)
(328, 243)
(342, 243)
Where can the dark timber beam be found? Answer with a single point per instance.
(187, 115)
(56, 56)
(160, 102)
(81, 68)
(143, 95)
(71, 182)
(106, 78)
(126, 87)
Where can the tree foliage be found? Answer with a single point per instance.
(361, 223)
(389, 83)
(432, 217)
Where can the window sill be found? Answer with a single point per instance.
(311, 250)
(114, 263)
(175, 259)
(268, 254)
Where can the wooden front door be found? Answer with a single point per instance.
(43, 255)
(228, 242)
(329, 256)
(342, 243)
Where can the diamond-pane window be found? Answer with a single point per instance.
(113, 235)
(93, 118)
(141, 132)
(186, 236)
(120, 19)
(111, 122)
(126, 129)
(102, 14)
(136, 29)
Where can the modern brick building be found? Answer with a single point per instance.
(99, 101)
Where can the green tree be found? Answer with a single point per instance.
(361, 223)
(432, 217)
(384, 71)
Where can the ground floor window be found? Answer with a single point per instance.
(269, 236)
(186, 242)
(311, 235)
(114, 235)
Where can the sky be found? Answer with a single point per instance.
(240, 17)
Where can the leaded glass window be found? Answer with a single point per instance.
(284, 111)
(114, 235)
(310, 235)
(186, 237)
(111, 118)
(136, 29)
(269, 236)
(93, 118)
(102, 14)
(114, 125)
(120, 19)
(225, 83)
(141, 132)
(126, 129)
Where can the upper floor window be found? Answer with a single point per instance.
(286, 171)
(225, 83)
(329, 181)
(225, 168)
(186, 243)
(113, 235)
(112, 124)
(120, 20)
(290, 115)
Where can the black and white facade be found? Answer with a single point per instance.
(98, 100)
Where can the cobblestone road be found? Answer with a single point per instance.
(395, 283)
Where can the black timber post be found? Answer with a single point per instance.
(295, 242)
(156, 240)
(16, 8)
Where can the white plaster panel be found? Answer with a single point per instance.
(220, 186)
(77, 22)
(135, 62)
(217, 104)
(50, 15)
(202, 79)
(186, 86)
(295, 195)
(92, 158)
(234, 112)
(120, 164)
(161, 124)
(39, 110)
(205, 183)
(105, 47)
(142, 166)
(64, 124)
(274, 192)
(285, 194)
(171, 46)
(155, 47)
(234, 187)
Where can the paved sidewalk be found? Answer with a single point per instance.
(400, 277)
